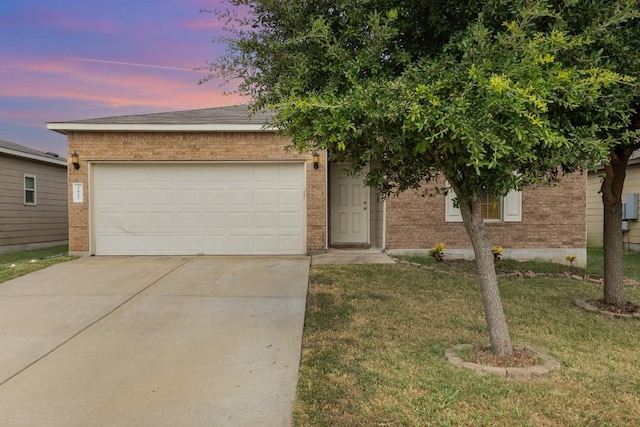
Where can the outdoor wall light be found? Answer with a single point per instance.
(316, 160)
(75, 160)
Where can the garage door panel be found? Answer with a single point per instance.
(241, 220)
(188, 221)
(137, 176)
(162, 196)
(118, 244)
(135, 197)
(265, 243)
(161, 176)
(239, 174)
(266, 219)
(289, 196)
(111, 196)
(290, 176)
(239, 197)
(214, 244)
(133, 222)
(265, 197)
(239, 243)
(214, 220)
(214, 198)
(289, 220)
(188, 197)
(162, 221)
(186, 209)
(287, 243)
(214, 176)
(265, 174)
(185, 244)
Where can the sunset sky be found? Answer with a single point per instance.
(77, 59)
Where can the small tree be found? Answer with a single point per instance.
(426, 89)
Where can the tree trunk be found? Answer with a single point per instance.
(613, 238)
(493, 311)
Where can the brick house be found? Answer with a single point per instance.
(33, 198)
(215, 181)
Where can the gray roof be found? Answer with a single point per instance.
(231, 115)
(17, 150)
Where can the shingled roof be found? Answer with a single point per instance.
(233, 118)
(17, 150)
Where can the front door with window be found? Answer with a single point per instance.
(349, 208)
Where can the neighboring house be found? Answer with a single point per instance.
(215, 181)
(33, 198)
(595, 212)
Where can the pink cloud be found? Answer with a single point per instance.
(109, 89)
(202, 24)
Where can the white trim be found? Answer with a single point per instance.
(384, 224)
(113, 127)
(327, 214)
(30, 156)
(512, 206)
(451, 213)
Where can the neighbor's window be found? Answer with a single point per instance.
(29, 190)
(490, 206)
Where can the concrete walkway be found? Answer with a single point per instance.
(153, 341)
(350, 256)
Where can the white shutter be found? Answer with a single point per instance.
(512, 205)
(451, 213)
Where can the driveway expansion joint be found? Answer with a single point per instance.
(110, 312)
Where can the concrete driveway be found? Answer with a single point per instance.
(153, 341)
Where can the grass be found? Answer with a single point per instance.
(630, 263)
(375, 337)
(16, 264)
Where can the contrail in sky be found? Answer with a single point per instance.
(132, 64)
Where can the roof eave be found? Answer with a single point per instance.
(29, 156)
(115, 127)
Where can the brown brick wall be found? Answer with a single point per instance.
(552, 217)
(187, 146)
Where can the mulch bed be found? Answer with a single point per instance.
(626, 308)
(519, 358)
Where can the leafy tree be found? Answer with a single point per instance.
(470, 92)
(617, 48)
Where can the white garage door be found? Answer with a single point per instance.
(190, 209)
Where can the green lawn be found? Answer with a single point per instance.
(16, 264)
(630, 263)
(375, 337)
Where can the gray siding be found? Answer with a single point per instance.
(25, 225)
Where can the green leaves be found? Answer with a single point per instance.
(474, 89)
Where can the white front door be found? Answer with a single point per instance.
(349, 207)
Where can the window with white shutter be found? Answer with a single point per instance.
(507, 208)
